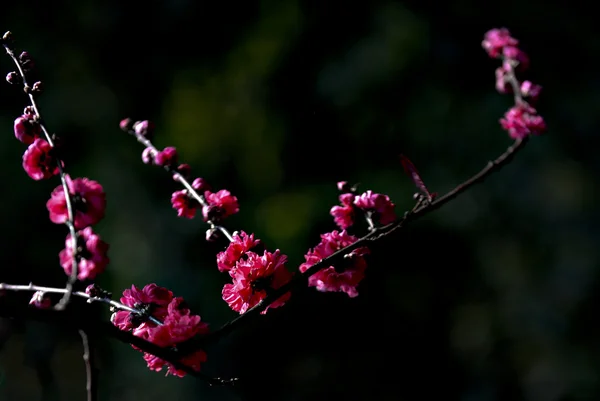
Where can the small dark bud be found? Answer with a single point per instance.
(38, 87)
(184, 170)
(7, 38)
(126, 124)
(13, 78)
(212, 234)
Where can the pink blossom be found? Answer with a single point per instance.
(87, 199)
(91, 255)
(521, 121)
(151, 299)
(144, 128)
(530, 90)
(166, 157)
(516, 54)
(343, 215)
(502, 84)
(253, 278)
(148, 155)
(38, 161)
(40, 300)
(200, 185)
(496, 39)
(185, 205)
(27, 129)
(178, 326)
(344, 279)
(241, 244)
(379, 205)
(220, 205)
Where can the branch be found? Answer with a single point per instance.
(300, 280)
(6, 39)
(91, 372)
(67, 318)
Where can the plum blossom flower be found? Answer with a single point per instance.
(88, 202)
(253, 278)
(380, 206)
(343, 215)
(522, 120)
(38, 160)
(343, 279)
(91, 255)
(241, 244)
(185, 205)
(27, 129)
(495, 40)
(221, 204)
(178, 326)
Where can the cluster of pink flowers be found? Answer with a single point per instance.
(153, 313)
(178, 324)
(522, 119)
(373, 205)
(253, 275)
(336, 278)
(216, 206)
(87, 198)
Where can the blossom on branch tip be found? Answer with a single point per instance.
(91, 255)
(347, 276)
(254, 277)
(38, 161)
(88, 201)
(521, 121)
(380, 206)
(495, 40)
(27, 129)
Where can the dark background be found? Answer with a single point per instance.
(493, 297)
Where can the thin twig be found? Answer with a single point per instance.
(91, 375)
(89, 298)
(375, 235)
(179, 177)
(70, 215)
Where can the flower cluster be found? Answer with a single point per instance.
(158, 305)
(258, 277)
(344, 278)
(216, 206)
(85, 198)
(373, 205)
(522, 119)
(254, 275)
